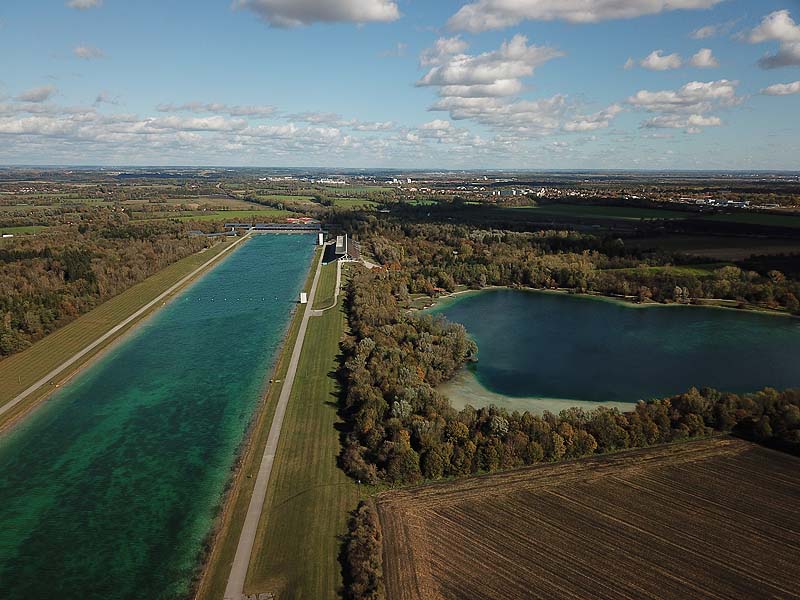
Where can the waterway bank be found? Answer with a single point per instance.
(122, 322)
(111, 488)
(215, 566)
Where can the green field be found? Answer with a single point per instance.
(225, 216)
(19, 371)
(606, 212)
(297, 546)
(353, 203)
(23, 229)
(326, 287)
(764, 219)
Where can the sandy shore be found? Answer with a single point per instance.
(465, 389)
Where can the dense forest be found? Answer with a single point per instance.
(439, 257)
(50, 279)
(401, 430)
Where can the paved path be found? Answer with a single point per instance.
(113, 331)
(234, 590)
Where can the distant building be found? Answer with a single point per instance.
(303, 298)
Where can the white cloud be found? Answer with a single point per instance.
(218, 108)
(39, 94)
(497, 14)
(484, 88)
(688, 106)
(338, 121)
(779, 27)
(714, 30)
(599, 120)
(499, 88)
(88, 52)
(442, 48)
(696, 96)
(782, 89)
(788, 55)
(85, 4)
(704, 59)
(658, 61)
(704, 33)
(520, 117)
(691, 123)
(294, 13)
(513, 60)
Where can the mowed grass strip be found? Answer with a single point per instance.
(309, 497)
(229, 528)
(326, 287)
(19, 371)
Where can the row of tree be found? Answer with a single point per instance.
(402, 430)
(49, 279)
(443, 256)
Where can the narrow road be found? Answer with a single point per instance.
(234, 590)
(114, 330)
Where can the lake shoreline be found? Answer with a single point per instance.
(469, 387)
(437, 302)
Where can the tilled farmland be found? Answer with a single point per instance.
(715, 518)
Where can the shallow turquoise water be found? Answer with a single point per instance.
(108, 490)
(534, 344)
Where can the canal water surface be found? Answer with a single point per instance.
(108, 490)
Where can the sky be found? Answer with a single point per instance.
(424, 84)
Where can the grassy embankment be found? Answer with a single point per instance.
(309, 497)
(326, 287)
(297, 546)
(21, 370)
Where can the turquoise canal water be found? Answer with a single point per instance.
(544, 345)
(108, 490)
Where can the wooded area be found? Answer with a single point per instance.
(50, 279)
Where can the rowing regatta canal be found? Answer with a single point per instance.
(109, 489)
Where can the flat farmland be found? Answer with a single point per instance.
(717, 518)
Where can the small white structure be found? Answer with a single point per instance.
(303, 298)
(8, 235)
(321, 239)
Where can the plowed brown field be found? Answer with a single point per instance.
(710, 519)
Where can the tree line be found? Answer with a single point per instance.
(437, 256)
(402, 430)
(50, 279)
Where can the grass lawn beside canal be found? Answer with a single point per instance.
(309, 498)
